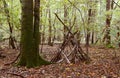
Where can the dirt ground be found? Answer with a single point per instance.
(104, 64)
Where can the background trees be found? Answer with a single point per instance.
(68, 33)
(82, 12)
(97, 21)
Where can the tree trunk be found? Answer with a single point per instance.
(108, 21)
(88, 29)
(94, 12)
(91, 21)
(50, 29)
(92, 40)
(41, 14)
(118, 36)
(30, 35)
(11, 39)
(65, 20)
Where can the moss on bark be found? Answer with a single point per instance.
(30, 36)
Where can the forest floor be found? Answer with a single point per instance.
(103, 65)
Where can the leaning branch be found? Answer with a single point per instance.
(63, 23)
(14, 60)
(16, 75)
(78, 10)
(116, 4)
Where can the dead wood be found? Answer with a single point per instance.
(77, 52)
(13, 60)
(16, 75)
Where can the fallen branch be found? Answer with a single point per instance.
(13, 60)
(70, 38)
(78, 10)
(116, 3)
(67, 55)
(66, 58)
(63, 23)
(16, 75)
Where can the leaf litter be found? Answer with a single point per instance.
(104, 64)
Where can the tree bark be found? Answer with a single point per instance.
(88, 29)
(108, 21)
(30, 35)
(50, 29)
(65, 20)
(11, 39)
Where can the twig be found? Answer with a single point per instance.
(69, 29)
(66, 57)
(13, 60)
(16, 75)
(80, 13)
(78, 10)
(63, 23)
(116, 4)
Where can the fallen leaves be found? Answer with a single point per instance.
(101, 66)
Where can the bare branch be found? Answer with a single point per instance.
(116, 4)
(78, 10)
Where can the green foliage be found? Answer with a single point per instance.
(15, 16)
(110, 46)
(57, 6)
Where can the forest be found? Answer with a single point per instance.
(59, 38)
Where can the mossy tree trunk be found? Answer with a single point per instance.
(108, 19)
(109, 7)
(30, 35)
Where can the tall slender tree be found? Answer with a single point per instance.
(65, 19)
(109, 6)
(50, 28)
(7, 13)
